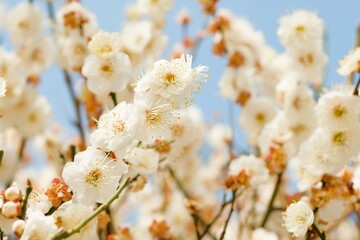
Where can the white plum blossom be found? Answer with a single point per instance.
(117, 128)
(39, 226)
(73, 19)
(36, 117)
(350, 63)
(104, 44)
(298, 217)
(254, 168)
(309, 64)
(155, 9)
(235, 81)
(38, 202)
(93, 176)
(72, 52)
(9, 62)
(2, 87)
(143, 41)
(157, 115)
(72, 213)
(36, 57)
(300, 29)
(173, 80)
(25, 23)
(260, 234)
(337, 110)
(219, 136)
(257, 112)
(136, 36)
(107, 75)
(143, 161)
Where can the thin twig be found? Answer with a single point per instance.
(270, 207)
(196, 224)
(229, 216)
(21, 149)
(356, 90)
(76, 103)
(178, 184)
(321, 234)
(100, 209)
(72, 152)
(1, 156)
(199, 40)
(187, 195)
(208, 226)
(113, 97)
(26, 198)
(223, 206)
(50, 10)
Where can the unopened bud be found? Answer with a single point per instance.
(10, 209)
(183, 17)
(13, 193)
(1, 202)
(18, 227)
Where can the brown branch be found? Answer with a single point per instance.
(196, 217)
(229, 216)
(76, 104)
(270, 207)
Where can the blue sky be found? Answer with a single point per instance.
(341, 18)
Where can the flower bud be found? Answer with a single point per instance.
(183, 17)
(2, 201)
(10, 209)
(13, 193)
(18, 227)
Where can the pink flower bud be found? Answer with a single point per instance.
(10, 209)
(18, 227)
(13, 193)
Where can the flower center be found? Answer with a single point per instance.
(32, 118)
(106, 68)
(299, 29)
(299, 128)
(177, 130)
(339, 138)
(169, 79)
(93, 176)
(118, 126)
(307, 59)
(339, 111)
(105, 49)
(23, 24)
(260, 117)
(73, 20)
(162, 146)
(301, 219)
(36, 56)
(236, 59)
(152, 117)
(79, 49)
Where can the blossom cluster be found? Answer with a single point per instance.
(144, 163)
